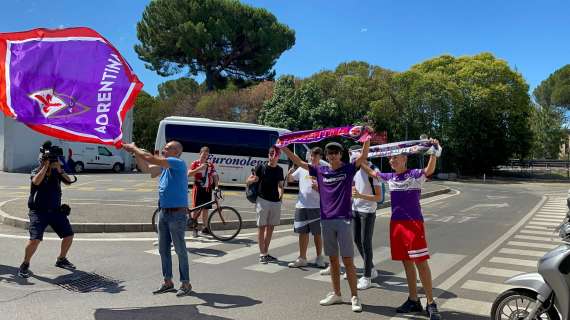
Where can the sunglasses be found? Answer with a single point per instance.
(333, 152)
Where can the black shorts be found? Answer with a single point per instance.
(57, 221)
(201, 196)
(307, 220)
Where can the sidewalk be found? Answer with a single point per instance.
(97, 217)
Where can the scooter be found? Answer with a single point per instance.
(543, 295)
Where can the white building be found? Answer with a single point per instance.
(20, 145)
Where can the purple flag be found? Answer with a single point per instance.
(67, 83)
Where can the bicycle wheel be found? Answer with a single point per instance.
(224, 223)
(155, 220)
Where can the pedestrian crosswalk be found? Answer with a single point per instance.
(474, 291)
(518, 254)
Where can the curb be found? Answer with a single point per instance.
(21, 223)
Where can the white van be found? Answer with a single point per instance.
(235, 147)
(92, 156)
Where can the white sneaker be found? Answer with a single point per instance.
(364, 283)
(300, 262)
(373, 274)
(344, 275)
(320, 262)
(356, 306)
(331, 299)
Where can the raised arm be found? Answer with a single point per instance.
(430, 168)
(369, 171)
(295, 158)
(147, 162)
(363, 158)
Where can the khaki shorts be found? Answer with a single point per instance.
(268, 212)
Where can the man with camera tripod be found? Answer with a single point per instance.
(46, 209)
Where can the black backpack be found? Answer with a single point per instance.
(252, 190)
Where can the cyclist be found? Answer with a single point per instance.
(205, 180)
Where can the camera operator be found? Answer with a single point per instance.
(46, 209)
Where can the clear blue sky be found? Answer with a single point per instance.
(533, 36)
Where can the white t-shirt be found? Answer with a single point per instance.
(308, 197)
(362, 184)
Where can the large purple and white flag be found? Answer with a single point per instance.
(67, 83)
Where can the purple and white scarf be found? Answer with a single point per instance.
(310, 136)
(402, 147)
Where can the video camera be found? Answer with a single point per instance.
(51, 153)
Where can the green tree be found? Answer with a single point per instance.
(223, 39)
(178, 87)
(297, 105)
(476, 105)
(547, 127)
(555, 90)
(148, 112)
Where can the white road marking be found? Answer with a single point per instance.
(469, 266)
(531, 245)
(485, 286)
(486, 205)
(274, 267)
(514, 262)
(544, 239)
(469, 306)
(505, 273)
(247, 251)
(379, 254)
(539, 232)
(439, 264)
(519, 252)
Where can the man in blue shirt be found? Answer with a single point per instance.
(173, 203)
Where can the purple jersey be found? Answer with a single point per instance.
(335, 189)
(405, 191)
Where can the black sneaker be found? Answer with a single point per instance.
(24, 270)
(432, 311)
(184, 291)
(206, 231)
(271, 258)
(64, 263)
(165, 288)
(263, 259)
(410, 306)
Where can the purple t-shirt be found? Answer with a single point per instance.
(335, 190)
(405, 191)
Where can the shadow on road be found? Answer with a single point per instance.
(389, 311)
(180, 312)
(9, 274)
(224, 301)
(75, 281)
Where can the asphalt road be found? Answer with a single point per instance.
(122, 198)
(478, 234)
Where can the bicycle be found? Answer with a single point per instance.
(224, 222)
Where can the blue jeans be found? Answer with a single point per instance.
(171, 229)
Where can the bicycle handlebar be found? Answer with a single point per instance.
(218, 194)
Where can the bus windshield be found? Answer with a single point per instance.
(222, 140)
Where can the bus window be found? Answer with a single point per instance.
(221, 140)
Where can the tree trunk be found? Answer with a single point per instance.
(209, 79)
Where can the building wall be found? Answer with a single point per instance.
(19, 145)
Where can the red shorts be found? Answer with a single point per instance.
(408, 241)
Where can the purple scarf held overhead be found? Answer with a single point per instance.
(402, 147)
(310, 136)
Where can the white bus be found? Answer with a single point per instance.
(235, 147)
